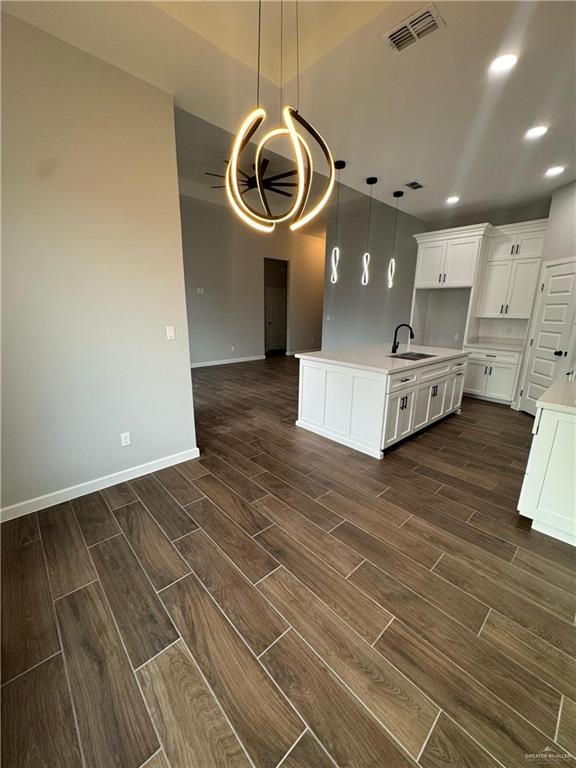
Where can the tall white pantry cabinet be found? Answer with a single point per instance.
(475, 289)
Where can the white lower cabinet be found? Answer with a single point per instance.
(457, 391)
(399, 416)
(491, 378)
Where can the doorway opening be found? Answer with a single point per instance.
(275, 306)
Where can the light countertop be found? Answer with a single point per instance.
(378, 358)
(561, 396)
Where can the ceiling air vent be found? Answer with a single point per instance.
(414, 185)
(415, 27)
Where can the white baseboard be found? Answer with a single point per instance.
(66, 494)
(229, 360)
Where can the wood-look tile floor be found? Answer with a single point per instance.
(285, 601)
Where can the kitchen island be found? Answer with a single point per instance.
(368, 399)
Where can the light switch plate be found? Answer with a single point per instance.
(170, 332)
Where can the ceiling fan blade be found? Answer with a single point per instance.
(268, 184)
(220, 186)
(218, 175)
(280, 192)
(282, 175)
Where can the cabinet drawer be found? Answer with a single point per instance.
(433, 371)
(495, 354)
(459, 365)
(401, 380)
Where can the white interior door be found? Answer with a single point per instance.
(552, 336)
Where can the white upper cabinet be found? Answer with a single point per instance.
(430, 265)
(517, 241)
(495, 289)
(460, 262)
(523, 282)
(511, 272)
(448, 258)
(501, 247)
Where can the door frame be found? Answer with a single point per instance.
(520, 385)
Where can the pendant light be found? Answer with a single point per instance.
(371, 180)
(339, 165)
(299, 213)
(392, 263)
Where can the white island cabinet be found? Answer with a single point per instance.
(369, 399)
(548, 493)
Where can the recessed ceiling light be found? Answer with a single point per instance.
(556, 170)
(537, 132)
(452, 200)
(503, 63)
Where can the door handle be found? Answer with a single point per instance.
(408, 379)
(558, 353)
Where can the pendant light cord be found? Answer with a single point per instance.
(395, 228)
(281, 50)
(337, 206)
(369, 220)
(297, 59)
(259, 52)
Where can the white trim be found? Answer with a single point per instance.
(291, 353)
(228, 360)
(66, 494)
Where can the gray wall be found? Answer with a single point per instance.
(225, 258)
(368, 314)
(92, 270)
(560, 240)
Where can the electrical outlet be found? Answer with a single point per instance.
(170, 332)
(199, 290)
(125, 439)
(456, 337)
(232, 349)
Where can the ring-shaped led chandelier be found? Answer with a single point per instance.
(298, 214)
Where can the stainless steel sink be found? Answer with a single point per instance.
(412, 356)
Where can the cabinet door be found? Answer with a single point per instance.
(500, 380)
(475, 382)
(457, 391)
(430, 265)
(460, 262)
(437, 399)
(421, 406)
(501, 247)
(399, 416)
(494, 292)
(529, 246)
(523, 281)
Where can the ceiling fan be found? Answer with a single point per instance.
(248, 181)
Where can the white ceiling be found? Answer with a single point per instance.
(431, 112)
